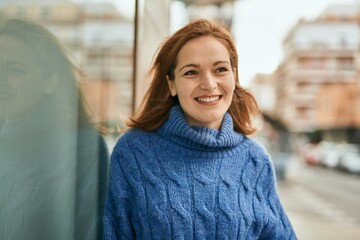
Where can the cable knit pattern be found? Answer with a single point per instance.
(185, 182)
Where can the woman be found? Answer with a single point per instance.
(185, 169)
(53, 161)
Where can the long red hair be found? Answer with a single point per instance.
(157, 102)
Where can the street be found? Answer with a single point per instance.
(321, 203)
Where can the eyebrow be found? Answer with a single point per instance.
(220, 62)
(198, 65)
(190, 65)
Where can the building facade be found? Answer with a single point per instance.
(318, 55)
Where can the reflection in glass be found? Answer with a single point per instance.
(53, 161)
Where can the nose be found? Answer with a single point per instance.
(208, 82)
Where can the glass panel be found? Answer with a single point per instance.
(65, 73)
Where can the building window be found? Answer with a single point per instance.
(311, 63)
(345, 63)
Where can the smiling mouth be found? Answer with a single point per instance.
(208, 99)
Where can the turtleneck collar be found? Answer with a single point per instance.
(177, 129)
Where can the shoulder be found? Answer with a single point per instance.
(256, 150)
(131, 139)
(133, 149)
(262, 161)
(123, 151)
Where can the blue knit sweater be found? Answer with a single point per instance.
(184, 182)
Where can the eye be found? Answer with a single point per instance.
(221, 69)
(189, 73)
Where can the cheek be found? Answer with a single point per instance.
(184, 96)
(185, 90)
(229, 86)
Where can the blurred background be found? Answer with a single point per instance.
(301, 58)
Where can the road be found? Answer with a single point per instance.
(322, 204)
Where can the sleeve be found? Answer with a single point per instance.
(278, 225)
(117, 214)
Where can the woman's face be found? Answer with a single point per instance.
(21, 85)
(204, 81)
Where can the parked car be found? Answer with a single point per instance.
(329, 153)
(350, 159)
(310, 154)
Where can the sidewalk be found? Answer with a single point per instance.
(311, 216)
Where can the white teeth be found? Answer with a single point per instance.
(208, 99)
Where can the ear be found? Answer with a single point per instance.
(172, 87)
(51, 83)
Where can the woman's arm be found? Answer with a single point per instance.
(117, 215)
(278, 225)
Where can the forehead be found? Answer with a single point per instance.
(13, 50)
(205, 48)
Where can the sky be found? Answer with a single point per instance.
(259, 27)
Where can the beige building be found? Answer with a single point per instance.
(338, 106)
(44, 11)
(262, 86)
(319, 53)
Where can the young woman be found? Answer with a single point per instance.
(186, 169)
